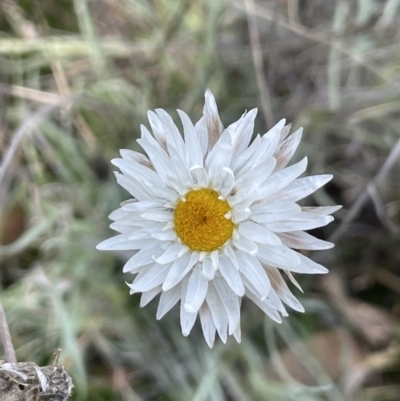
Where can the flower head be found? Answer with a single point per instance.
(214, 218)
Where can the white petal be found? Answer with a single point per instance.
(135, 156)
(302, 221)
(168, 300)
(183, 175)
(207, 269)
(220, 155)
(196, 291)
(194, 152)
(265, 307)
(280, 179)
(251, 268)
(172, 253)
(157, 128)
(144, 257)
(200, 176)
(153, 278)
(275, 302)
(159, 158)
(257, 233)
(246, 245)
(140, 207)
(260, 151)
(321, 209)
(218, 312)
(247, 156)
(293, 280)
(278, 256)
(133, 187)
(119, 242)
(228, 251)
(211, 116)
(215, 259)
(307, 266)
(187, 319)
(302, 187)
(272, 138)
(179, 269)
(230, 301)
(168, 235)
(144, 175)
(207, 324)
(231, 275)
(253, 179)
(240, 215)
(242, 131)
(228, 182)
(202, 134)
(163, 216)
(173, 137)
(262, 157)
(302, 240)
(238, 334)
(285, 132)
(281, 288)
(148, 296)
(286, 149)
(118, 214)
(271, 212)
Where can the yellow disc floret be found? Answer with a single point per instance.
(201, 220)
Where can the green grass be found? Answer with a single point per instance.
(76, 80)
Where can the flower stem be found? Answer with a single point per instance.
(6, 337)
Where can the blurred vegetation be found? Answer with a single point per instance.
(76, 80)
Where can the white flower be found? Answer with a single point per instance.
(214, 218)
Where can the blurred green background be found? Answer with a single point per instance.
(76, 80)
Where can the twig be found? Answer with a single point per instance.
(355, 210)
(318, 37)
(28, 125)
(6, 337)
(258, 63)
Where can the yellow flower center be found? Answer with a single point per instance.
(200, 220)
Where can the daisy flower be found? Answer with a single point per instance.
(213, 218)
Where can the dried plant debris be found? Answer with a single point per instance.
(25, 381)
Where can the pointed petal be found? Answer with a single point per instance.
(300, 222)
(257, 233)
(302, 240)
(307, 266)
(196, 291)
(286, 149)
(207, 269)
(142, 258)
(265, 307)
(231, 275)
(218, 312)
(194, 152)
(168, 300)
(230, 301)
(148, 296)
(211, 116)
(187, 319)
(281, 288)
(278, 256)
(280, 179)
(179, 269)
(302, 187)
(172, 253)
(153, 278)
(251, 268)
(207, 324)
